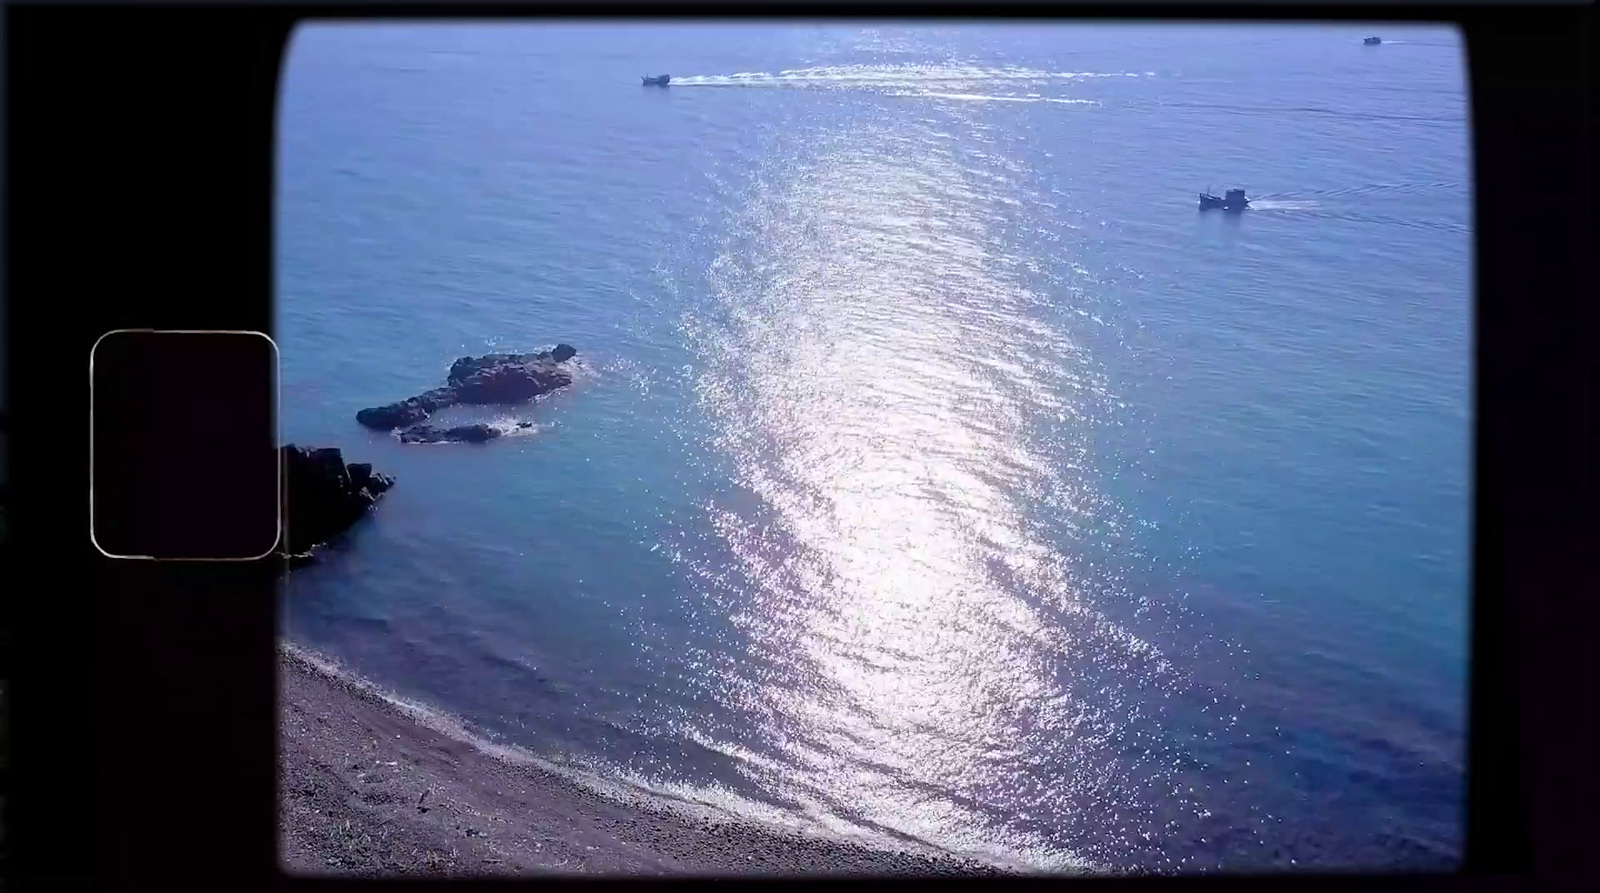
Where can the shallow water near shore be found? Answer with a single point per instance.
(371, 785)
(935, 470)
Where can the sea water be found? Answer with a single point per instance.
(935, 470)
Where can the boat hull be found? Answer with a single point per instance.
(1212, 203)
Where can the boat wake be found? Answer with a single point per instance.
(989, 97)
(1457, 120)
(1335, 211)
(1368, 189)
(889, 76)
(1282, 205)
(967, 97)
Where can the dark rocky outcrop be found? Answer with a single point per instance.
(508, 379)
(458, 434)
(323, 496)
(500, 378)
(409, 411)
(392, 416)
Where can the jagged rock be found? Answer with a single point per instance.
(323, 496)
(461, 369)
(510, 377)
(395, 415)
(502, 378)
(361, 475)
(511, 382)
(407, 412)
(458, 434)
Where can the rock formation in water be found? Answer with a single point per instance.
(478, 433)
(459, 434)
(407, 412)
(323, 496)
(493, 379)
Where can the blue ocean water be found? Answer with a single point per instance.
(936, 470)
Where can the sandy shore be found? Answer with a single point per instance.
(367, 789)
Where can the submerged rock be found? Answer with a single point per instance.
(501, 378)
(459, 434)
(323, 496)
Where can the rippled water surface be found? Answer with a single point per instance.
(936, 471)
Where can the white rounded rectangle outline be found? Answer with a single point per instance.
(277, 436)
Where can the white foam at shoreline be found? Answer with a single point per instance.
(696, 803)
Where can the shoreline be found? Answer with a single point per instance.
(367, 788)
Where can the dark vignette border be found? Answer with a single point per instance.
(140, 175)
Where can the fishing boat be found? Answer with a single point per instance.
(1373, 41)
(660, 80)
(1232, 200)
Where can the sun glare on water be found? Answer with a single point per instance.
(873, 362)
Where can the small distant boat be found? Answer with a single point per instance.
(660, 80)
(1232, 200)
(1373, 41)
